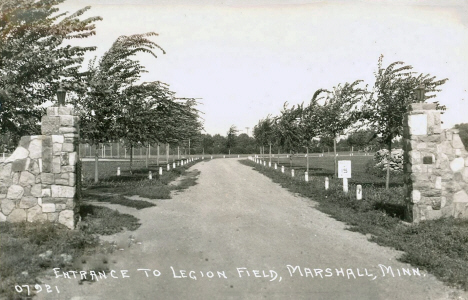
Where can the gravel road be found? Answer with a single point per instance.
(238, 235)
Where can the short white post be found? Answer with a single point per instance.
(264, 163)
(292, 172)
(224, 156)
(118, 171)
(326, 183)
(168, 167)
(238, 156)
(306, 176)
(269, 164)
(160, 170)
(282, 169)
(276, 166)
(203, 157)
(345, 185)
(358, 192)
(211, 157)
(173, 165)
(150, 175)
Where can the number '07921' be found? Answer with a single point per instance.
(37, 288)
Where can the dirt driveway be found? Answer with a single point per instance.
(237, 235)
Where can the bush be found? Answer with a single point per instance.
(378, 166)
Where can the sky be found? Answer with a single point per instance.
(245, 59)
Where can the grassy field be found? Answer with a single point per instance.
(28, 249)
(439, 246)
(324, 166)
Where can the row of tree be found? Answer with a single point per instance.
(113, 106)
(373, 114)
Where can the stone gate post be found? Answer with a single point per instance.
(38, 181)
(435, 166)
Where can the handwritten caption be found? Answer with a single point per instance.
(288, 271)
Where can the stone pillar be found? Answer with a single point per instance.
(38, 181)
(435, 166)
(59, 163)
(422, 134)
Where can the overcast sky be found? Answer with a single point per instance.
(246, 58)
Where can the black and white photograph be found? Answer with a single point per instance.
(233, 149)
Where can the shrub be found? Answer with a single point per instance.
(378, 166)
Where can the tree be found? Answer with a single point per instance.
(310, 124)
(392, 94)
(287, 131)
(33, 59)
(231, 137)
(463, 132)
(143, 109)
(362, 139)
(102, 103)
(264, 133)
(339, 110)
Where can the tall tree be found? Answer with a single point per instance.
(231, 137)
(310, 125)
(108, 79)
(393, 91)
(339, 110)
(287, 130)
(33, 59)
(264, 133)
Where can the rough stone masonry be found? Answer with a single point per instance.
(436, 166)
(38, 181)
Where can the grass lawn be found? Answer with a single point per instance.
(28, 249)
(324, 166)
(438, 246)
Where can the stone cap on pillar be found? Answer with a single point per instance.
(423, 106)
(60, 111)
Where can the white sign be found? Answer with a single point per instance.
(344, 169)
(418, 124)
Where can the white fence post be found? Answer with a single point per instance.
(282, 169)
(168, 167)
(292, 172)
(276, 166)
(358, 192)
(150, 175)
(160, 170)
(345, 185)
(327, 184)
(306, 176)
(118, 171)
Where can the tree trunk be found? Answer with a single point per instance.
(157, 159)
(290, 158)
(336, 163)
(387, 180)
(167, 153)
(96, 163)
(131, 159)
(147, 156)
(278, 155)
(270, 153)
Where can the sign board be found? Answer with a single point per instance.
(344, 169)
(418, 124)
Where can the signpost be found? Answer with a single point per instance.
(344, 171)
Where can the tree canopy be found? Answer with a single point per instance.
(34, 58)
